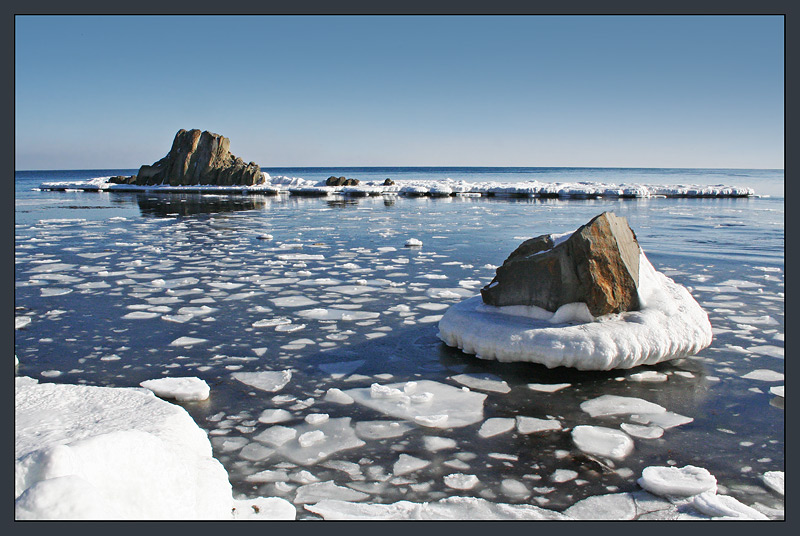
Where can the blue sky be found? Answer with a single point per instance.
(597, 91)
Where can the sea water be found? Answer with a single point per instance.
(121, 288)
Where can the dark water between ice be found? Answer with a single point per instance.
(85, 260)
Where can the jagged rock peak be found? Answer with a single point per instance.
(200, 158)
(598, 264)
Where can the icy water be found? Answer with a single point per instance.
(126, 287)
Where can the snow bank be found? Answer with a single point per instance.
(436, 188)
(84, 452)
(670, 324)
(105, 453)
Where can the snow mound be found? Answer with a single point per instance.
(86, 452)
(670, 324)
(181, 389)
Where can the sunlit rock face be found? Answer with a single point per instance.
(598, 264)
(200, 158)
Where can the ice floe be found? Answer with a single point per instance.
(484, 382)
(669, 324)
(684, 481)
(774, 481)
(602, 441)
(190, 389)
(447, 406)
(270, 381)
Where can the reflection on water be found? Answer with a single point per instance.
(171, 205)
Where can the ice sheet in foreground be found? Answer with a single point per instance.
(109, 453)
(426, 402)
(670, 324)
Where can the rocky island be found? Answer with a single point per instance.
(197, 158)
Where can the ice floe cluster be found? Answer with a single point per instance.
(670, 324)
(273, 185)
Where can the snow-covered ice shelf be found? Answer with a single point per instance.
(420, 188)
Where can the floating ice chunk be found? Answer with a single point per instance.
(767, 349)
(436, 443)
(483, 381)
(318, 491)
(607, 405)
(461, 481)
(178, 319)
(413, 242)
(563, 475)
(684, 481)
(381, 429)
(255, 452)
(271, 416)
(643, 432)
(300, 257)
(334, 435)
(21, 321)
(764, 375)
(187, 341)
(451, 508)
(514, 488)
(670, 324)
(276, 435)
(292, 301)
(104, 452)
(711, 504)
(337, 314)
(269, 322)
(496, 426)
(338, 396)
(188, 389)
(196, 311)
(777, 390)
(49, 292)
(268, 475)
(648, 376)
(264, 508)
(531, 425)
(317, 418)
(601, 441)
(614, 506)
(459, 408)
(774, 481)
(548, 387)
(408, 464)
(311, 438)
(665, 420)
(270, 381)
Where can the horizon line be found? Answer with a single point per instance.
(440, 167)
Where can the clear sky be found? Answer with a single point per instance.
(597, 91)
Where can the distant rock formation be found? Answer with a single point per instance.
(341, 181)
(598, 265)
(200, 158)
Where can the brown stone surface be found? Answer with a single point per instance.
(598, 265)
(200, 158)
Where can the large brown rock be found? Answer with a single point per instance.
(200, 158)
(598, 264)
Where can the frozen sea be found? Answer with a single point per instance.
(116, 288)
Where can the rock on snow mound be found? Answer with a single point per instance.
(669, 324)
